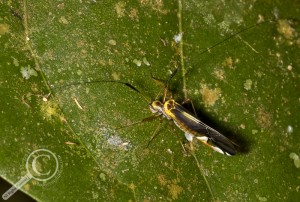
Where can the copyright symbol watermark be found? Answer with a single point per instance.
(41, 165)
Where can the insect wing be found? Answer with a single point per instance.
(201, 131)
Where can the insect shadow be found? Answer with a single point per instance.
(242, 145)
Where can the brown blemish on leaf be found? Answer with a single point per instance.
(162, 180)
(133, 14)
(209, 95)
(219, 73)
(288, 34)
(116, 76)
(132, 186)
(175, 190)
(156, 5)
(263, 118)
(4, 28)
(50, 109)
(26, 186)
(110, 62)
(120, 9)
(228, 62)
(102, 62)
(79, 43)
(285, 28)
(61, 6)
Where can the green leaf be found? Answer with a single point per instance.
(237, 61)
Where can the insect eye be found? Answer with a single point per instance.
(156, 104)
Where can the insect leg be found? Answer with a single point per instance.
(150, 118)
(189, 137)
(190, 101)
(167, 84)
(155, 133)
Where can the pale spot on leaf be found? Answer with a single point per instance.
(209, 95)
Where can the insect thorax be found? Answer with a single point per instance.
(160, 108)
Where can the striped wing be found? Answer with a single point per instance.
(187, 122)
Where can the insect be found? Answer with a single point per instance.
(183, 119)
(188, 122)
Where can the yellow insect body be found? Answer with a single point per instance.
(192, 126)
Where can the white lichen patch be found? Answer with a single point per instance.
(169, 151)
(296, 159)
(289, 129)
(224, 26)
(261, 198)
(248, 84)
(63, 20)
(261, 18)
(79, 72)
(116, 141)
(137, 62)
(112, 42)
(102, 176)
(27, 72)
(209, 19)
(178, 37)
(15, 62)
(145, 61)
(290, 67)
(112, 139)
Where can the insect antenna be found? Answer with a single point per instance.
(148, 100)
(230, 37)
(161, 81)
(166, 84)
